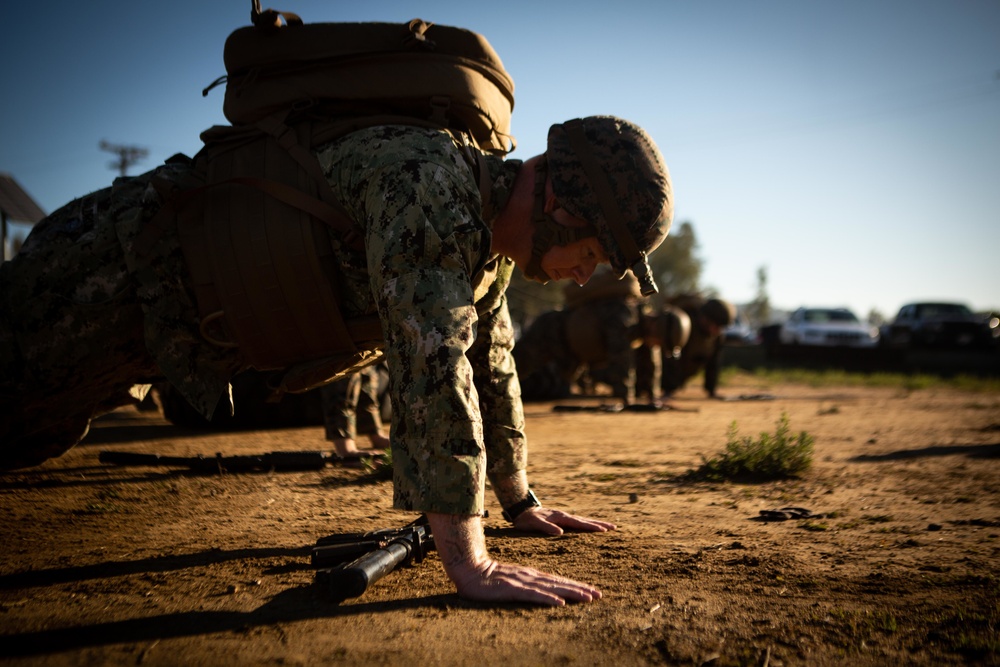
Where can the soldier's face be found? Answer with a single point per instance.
(576, 261)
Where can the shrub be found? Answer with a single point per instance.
(377, 469)
(768, 457)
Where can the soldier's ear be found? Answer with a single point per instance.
(551, 203)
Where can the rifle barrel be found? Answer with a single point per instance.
(287, 461)
(353, 579)
(139, 459)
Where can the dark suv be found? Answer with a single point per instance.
(951, 325)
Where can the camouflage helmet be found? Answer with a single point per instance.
(670, 327)
(677, 327)
(609, 172)
(719, 312)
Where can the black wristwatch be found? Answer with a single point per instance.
(518, 508)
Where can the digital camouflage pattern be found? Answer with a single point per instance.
(80, 315)
(351, 405)
(449, 338)
(85, 308)
(637, 174)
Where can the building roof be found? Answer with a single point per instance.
(16, 204)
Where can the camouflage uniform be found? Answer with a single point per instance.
(610, 359)
(703, 352)
(449, 337)
(83, 319)
(545, 365)
(595, 334)
(437, 289)
(668, 329)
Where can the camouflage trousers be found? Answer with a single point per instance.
(71, 334)
(351, 405)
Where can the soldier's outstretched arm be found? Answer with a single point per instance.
(552, 522)
(512, 489)
(461, 544)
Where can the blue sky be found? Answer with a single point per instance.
(852, 148)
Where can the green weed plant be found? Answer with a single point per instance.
(768, 457)
(377, 470)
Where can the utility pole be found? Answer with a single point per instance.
(127, 155)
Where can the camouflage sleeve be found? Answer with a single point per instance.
(423, 235)
(368, 414)
(499, 393)
(339, 401)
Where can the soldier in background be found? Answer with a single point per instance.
(703, 351)
(352, 406)
(544, 368)
(671, 330)
(595, 339)
(595, 334)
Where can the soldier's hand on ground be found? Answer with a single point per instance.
(492, 581)
(552, 522)
(461, 545)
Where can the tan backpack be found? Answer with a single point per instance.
(447, 76)
(254, 222)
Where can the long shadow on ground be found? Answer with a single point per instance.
(297, 604)
(971, 451)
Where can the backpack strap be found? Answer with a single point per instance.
(328, 210)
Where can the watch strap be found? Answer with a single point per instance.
(518, 508)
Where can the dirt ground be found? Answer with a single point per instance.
(159, 566)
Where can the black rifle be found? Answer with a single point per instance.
(288, 461)
(348, 563)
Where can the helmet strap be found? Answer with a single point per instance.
(548, 232)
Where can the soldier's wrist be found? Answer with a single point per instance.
(515, 510)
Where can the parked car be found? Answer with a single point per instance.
(830, 327)
(937, 324)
